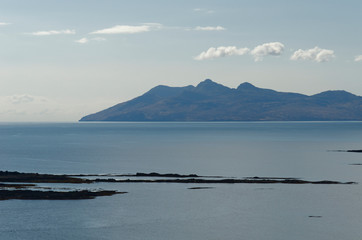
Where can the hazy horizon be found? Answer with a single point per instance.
(62, 60)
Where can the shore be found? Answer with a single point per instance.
(16, 185)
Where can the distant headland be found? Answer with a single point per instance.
(210, 101)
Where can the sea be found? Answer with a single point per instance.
(172, 211)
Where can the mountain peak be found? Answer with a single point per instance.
(207, 82)
(246, 86)
(335, 96)
(209, 86)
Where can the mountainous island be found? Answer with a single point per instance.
(210, 101)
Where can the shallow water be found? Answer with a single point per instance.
(172, 211)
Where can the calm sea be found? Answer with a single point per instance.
(172, 211)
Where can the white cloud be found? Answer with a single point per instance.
(272, 48)
(153, 25)
(86, 40)
(315, 54)
(22, 99)
(128, 29)
(203, 10)
(4, 23)
(26, 107)
(208, 28)
(358, 58)
(53, 32)
(82, 40)
(212, 52)
(17, 99)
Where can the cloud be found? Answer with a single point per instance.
(128, 29)
(4, 23)
(217, 28)
(86, 40)
(17, 99)
(82, 40)
(358, 58)
(53, 32)
(26, 107)
(315, 54)
(259, 52)
(272, 48)
(212, 52)
(22, 99)
(203, 10)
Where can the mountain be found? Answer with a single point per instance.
(210, 101)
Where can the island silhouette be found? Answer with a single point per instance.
(211, 101)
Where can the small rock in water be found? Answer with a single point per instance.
(200, 187)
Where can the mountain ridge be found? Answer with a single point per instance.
(211, 101)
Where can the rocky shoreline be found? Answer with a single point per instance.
(254, 180)
(53, 195)
(6, 176)
(24, 187)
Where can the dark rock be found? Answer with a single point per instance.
(224, 181)
(52, 195)
(166, 178)
(6, 176)
(16, 186)
(168, 175)
(355, 151)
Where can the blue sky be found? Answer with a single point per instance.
(61, 60)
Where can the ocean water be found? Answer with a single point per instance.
(171, 210)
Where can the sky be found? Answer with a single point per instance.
(61, 60)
